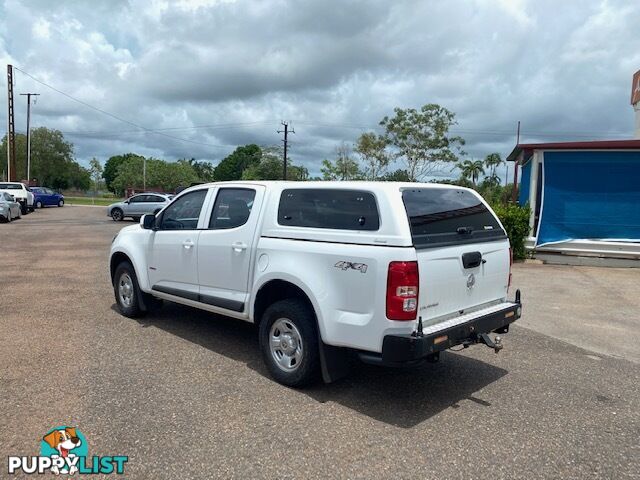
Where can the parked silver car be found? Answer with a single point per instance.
(138, 205)
(9, 208)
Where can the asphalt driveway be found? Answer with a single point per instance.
(185, 395)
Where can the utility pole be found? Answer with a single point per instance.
(285, 140)
(144, 173)
(29, 95)
(11, 128)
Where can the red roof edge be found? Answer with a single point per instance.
(590, 145)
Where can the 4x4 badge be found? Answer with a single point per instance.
(362, 267)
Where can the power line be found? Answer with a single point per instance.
(116, 117)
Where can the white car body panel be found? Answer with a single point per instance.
(350, 305)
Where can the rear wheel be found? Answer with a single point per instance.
(23, 208)
(127, 291)
(117, 215)
(38, 204)
(289, 343)
(61, 203)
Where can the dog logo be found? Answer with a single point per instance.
(64, 450)
(63, 440)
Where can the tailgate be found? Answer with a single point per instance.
(462, 251)
(448, 289)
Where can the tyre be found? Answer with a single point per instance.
(61, 203)
(9, 216)
(117, 215)
(38, 204)
(127, 291)
(23, 208)
(31, 209)
(289, 343)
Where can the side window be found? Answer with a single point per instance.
(183, 214)
(329, 208)
(232, 208)
(137, 199)
(154, 198)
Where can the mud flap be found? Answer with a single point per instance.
(335, 362)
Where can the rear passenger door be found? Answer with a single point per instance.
(225, 248)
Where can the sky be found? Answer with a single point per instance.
(208, 75)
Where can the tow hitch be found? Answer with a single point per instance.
(495, 344)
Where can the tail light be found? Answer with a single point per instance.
(510, 264)
(402, 290)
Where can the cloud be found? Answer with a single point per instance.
(333, 68)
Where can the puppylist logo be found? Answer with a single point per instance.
(65, 450)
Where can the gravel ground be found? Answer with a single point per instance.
(184, 393)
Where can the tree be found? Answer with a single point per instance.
(344, 167)
(111, 167)
(397, 176)
(421, 138)
(231, 167)
(52, 160)
(492, 162)
(372, 149)
(270, 167)
(204, 170)
(472, 169)
(160, 174)
(95, 170)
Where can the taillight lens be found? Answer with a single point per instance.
(510, 263)
(402, 290)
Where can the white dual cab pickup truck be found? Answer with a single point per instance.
(392, 273)
(20, 193)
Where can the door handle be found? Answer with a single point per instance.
(239, 246)
(188, 244)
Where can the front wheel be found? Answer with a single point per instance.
(127, 291)
(289, 343)
(23, 209)
(117, 215)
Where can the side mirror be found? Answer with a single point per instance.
(148, 221)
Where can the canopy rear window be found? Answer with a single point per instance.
(449, 216)
(10, 186)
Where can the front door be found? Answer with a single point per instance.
(173, 250)
(224, 247)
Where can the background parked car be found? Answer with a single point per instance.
(9, 208)
(45, 196)
(21, 193)
(138, 205)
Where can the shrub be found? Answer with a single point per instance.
(516, 223)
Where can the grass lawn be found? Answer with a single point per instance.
(89, 201)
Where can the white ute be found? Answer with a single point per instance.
(392, 273)
(21, 193)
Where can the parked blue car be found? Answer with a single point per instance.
(45, 196)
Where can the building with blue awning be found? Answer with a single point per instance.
(584, 196)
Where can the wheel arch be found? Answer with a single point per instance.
(277, 289)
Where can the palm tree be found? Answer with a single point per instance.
(472, 169)
(492, 162)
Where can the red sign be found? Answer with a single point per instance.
(635, 88)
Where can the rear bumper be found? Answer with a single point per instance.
(408, 348)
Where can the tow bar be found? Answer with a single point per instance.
(495, 344)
